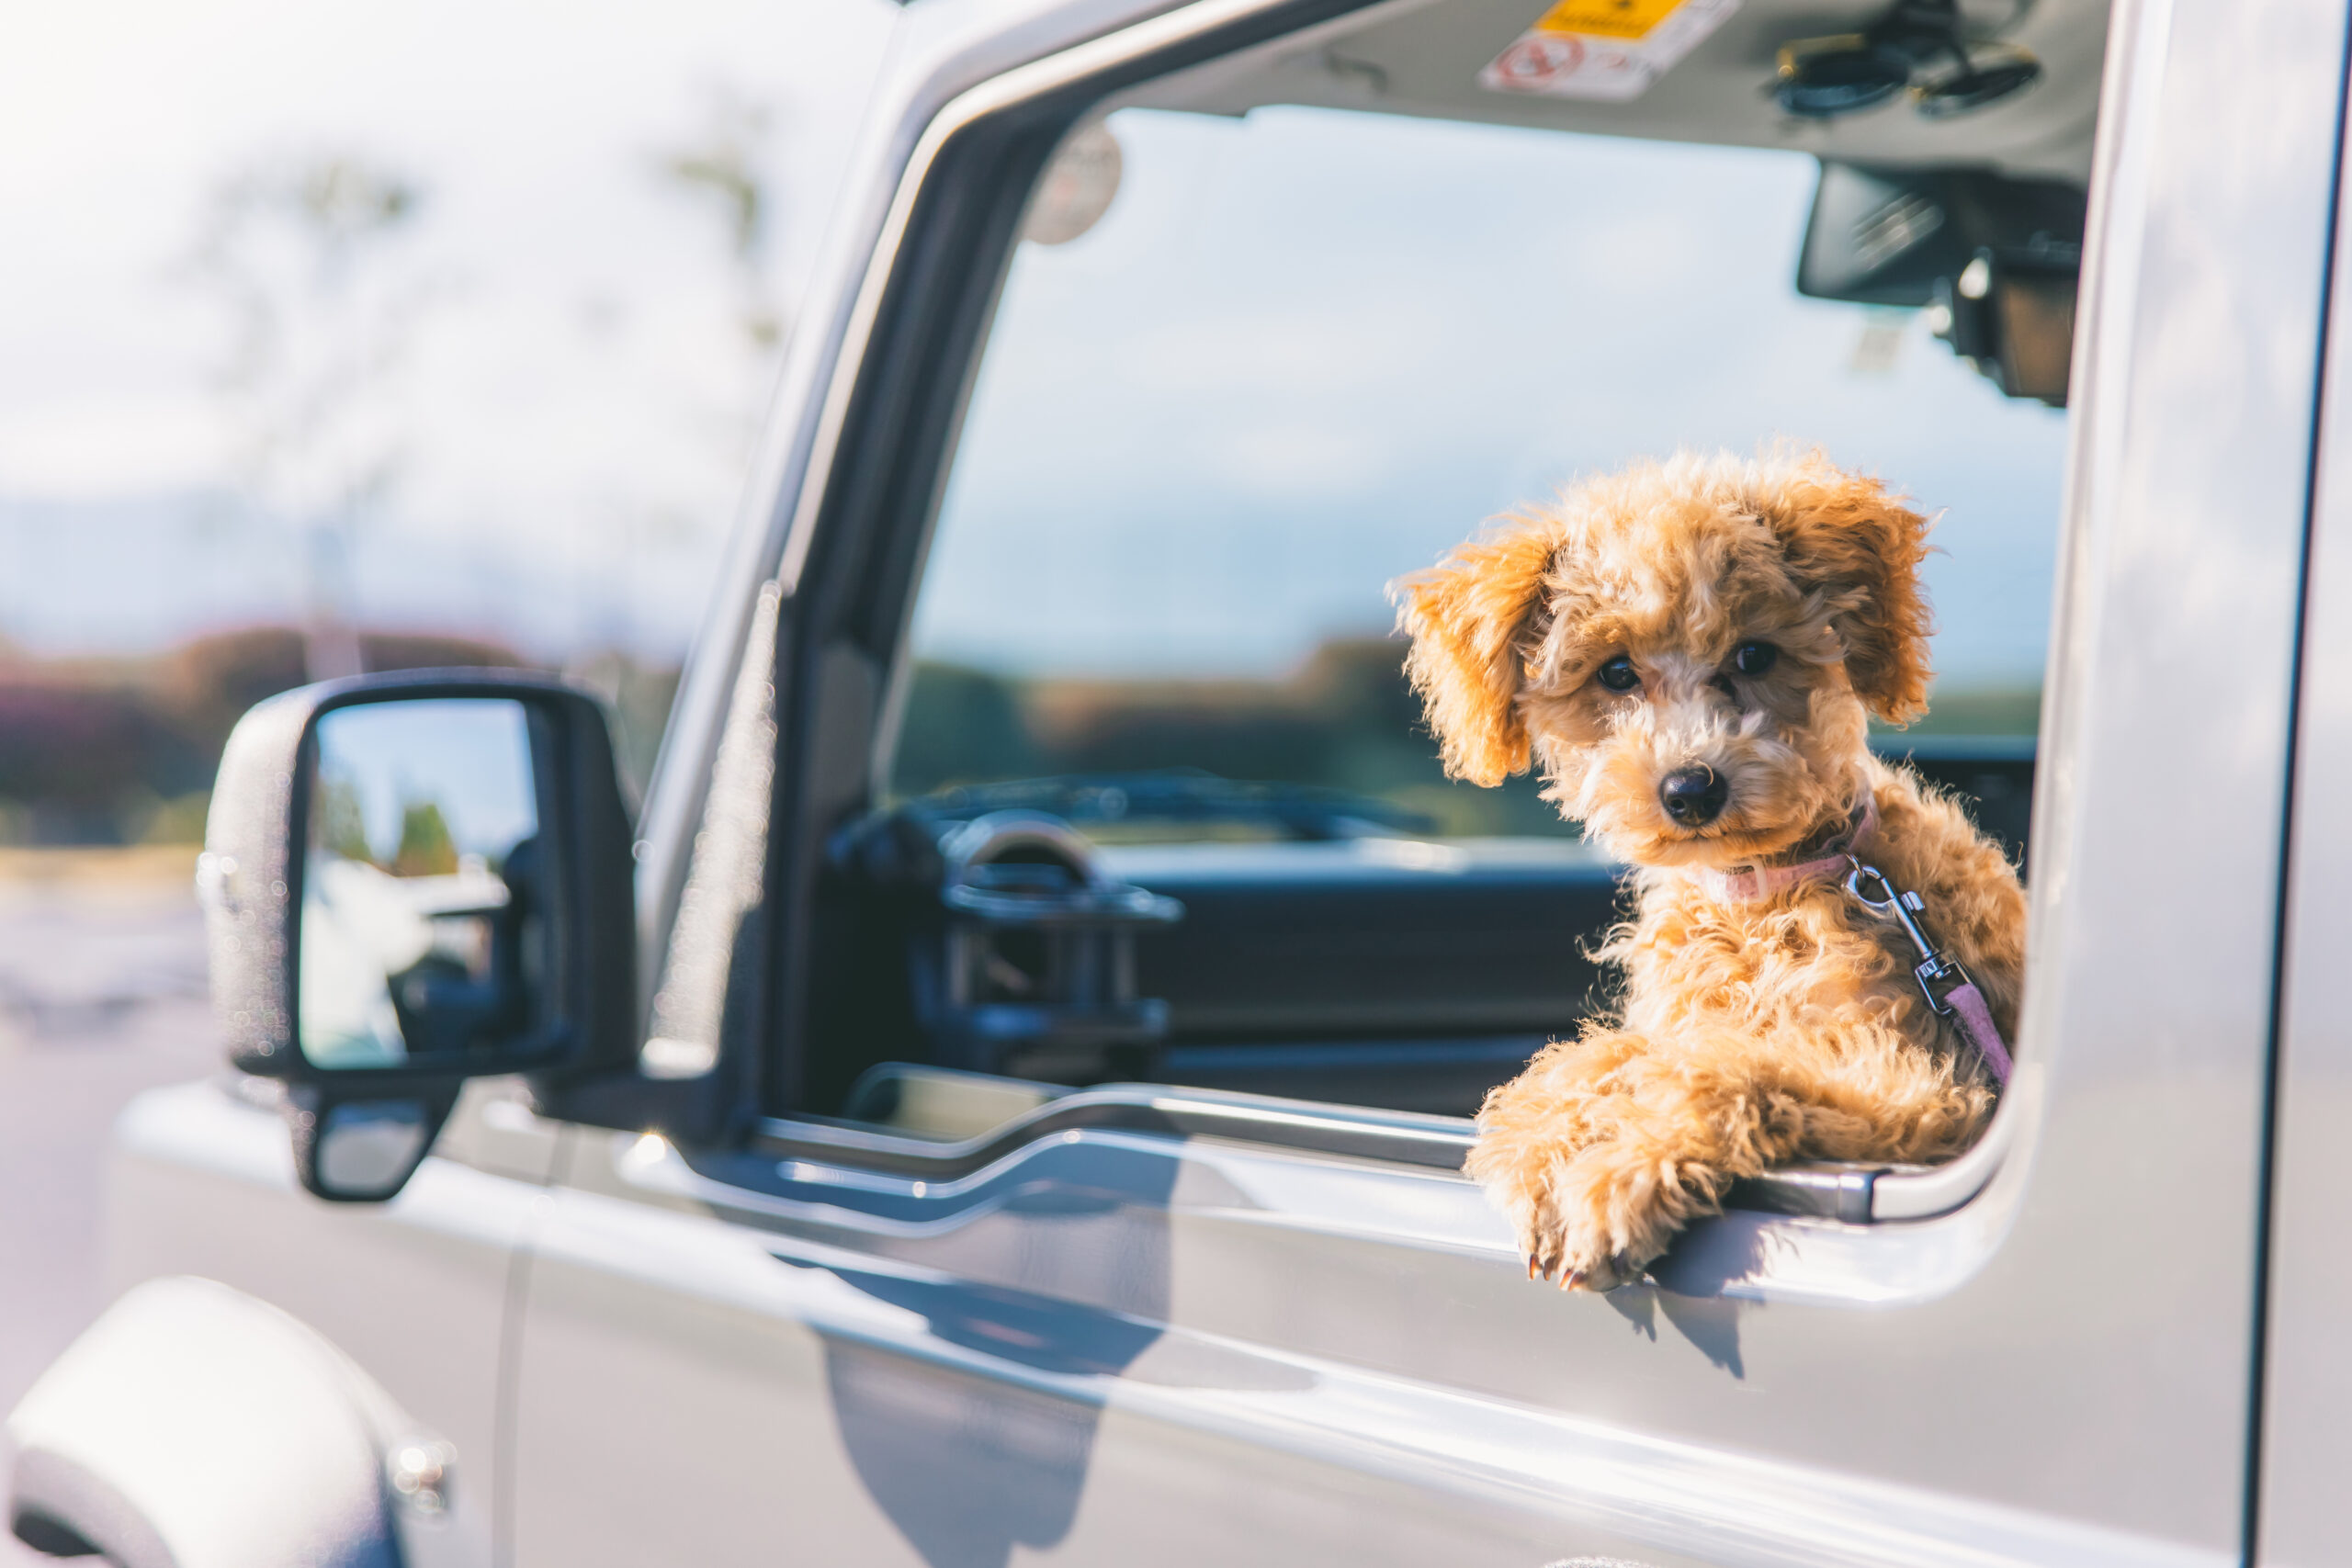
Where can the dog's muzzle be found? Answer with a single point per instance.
(1694, 796)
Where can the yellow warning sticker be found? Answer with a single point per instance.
(1606, 50)
(1607, 18)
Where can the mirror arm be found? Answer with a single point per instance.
(696, 1111)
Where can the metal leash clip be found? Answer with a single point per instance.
(1938, 976)
(1947, 986)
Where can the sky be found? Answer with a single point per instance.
(469, 756)
(1304, 352)
(1307, 351)
(566, 404)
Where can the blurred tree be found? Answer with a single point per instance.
(343, 825)
(303, 255)
(721, 169)
(204, 686)
(426, 848)
(74, 756)
(115, 750)
(639, 697)
(724, 166)
(962, 726)
(1346, 718)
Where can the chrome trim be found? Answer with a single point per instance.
(1855, 1192)
(1437, 1143)
(1923, 1192)
(1828, 1192)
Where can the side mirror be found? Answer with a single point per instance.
(409, 881)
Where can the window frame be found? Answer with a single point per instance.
(853, 554)
(851, 569)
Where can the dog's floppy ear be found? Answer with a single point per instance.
(1858, 546)
(1466, 616)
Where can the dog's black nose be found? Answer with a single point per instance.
(1694, 796)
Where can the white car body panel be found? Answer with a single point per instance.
(1120, 1346)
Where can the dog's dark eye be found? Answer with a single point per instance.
(1755, 658)
(1619, 675)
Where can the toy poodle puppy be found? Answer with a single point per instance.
(1691, 651)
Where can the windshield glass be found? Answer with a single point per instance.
(1305, 350)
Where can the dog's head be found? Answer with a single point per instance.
(1690, 650)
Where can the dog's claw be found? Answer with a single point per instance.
(1571, 1277)
(1531, 1266)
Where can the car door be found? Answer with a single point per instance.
(2306, 1372)
(1152, 1323)
(415, 1291)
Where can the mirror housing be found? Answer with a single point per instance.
(2011, 314)
(360, 1127)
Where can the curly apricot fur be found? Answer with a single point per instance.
(1748, 1034)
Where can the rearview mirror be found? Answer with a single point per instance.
(2011, 314)
(409, 881)
(1995, 261)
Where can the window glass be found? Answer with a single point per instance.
(1305, 350)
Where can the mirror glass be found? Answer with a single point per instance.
(369, 1147)
(422, 930)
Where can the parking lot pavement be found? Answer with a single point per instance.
(101, 996)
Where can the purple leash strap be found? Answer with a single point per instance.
(1947, 986)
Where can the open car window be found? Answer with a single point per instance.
(1256, 357)
(1305, 351)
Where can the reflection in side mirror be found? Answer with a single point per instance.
(371, 1145)
(423, 931)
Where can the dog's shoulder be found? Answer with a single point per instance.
(1927, 842)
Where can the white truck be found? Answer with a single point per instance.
(1000, 1099)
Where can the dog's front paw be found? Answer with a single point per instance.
(1589, 1221)
(1592, 1192)
(1575, 1269)
(1574, 1251)
(1566, 1242)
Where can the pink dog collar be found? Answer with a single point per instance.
(1754, 884)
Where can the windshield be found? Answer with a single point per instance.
(1304, 350)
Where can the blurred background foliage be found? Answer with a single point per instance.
(1345, 719)
(122, 750)
(307, 264)
(390, 356)
(486, 401)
